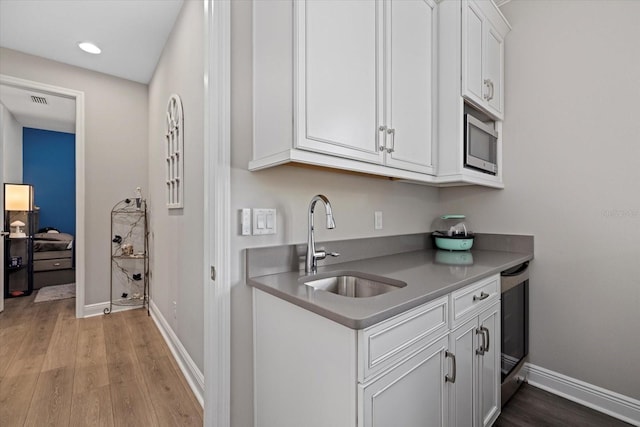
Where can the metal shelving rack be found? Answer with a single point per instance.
(129, 283)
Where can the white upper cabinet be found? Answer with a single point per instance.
(339, 61)
(365, 80)
(470, 75)
(409, 81)
(483, 32)
(375, 86)
(346, 84)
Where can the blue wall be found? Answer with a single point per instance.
(49, 164)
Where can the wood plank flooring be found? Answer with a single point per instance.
(114, 370)
(533, 407)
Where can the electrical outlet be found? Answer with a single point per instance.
(377, 223)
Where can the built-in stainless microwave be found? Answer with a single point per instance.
(480, 145)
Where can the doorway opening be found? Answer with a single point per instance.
(74, 256)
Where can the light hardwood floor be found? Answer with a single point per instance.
(114, 370)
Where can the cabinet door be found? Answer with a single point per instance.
(412, 394)
(339, 61)
(493, 70)
(473, 21)
(410, 38)
(489, 367)
(463, 344)
(483, 57)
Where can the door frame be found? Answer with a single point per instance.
(79, 243)
(217, 215)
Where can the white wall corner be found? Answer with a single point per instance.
(606, 401)
(192, 374)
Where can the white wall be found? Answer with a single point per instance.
(10, 146)
(177, 240)
(571, 151)
(116, 138)
(406, 208)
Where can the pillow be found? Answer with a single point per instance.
(64, 237)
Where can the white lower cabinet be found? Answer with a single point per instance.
(489, 367)
(412, 370)
(474, 395)
(410, 395)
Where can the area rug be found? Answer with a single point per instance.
(52, 293)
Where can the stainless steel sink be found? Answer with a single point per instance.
(352, 284)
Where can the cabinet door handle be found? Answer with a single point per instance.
(383, 141)
(451, 379)
(490, 89)
(486, 95)
(482, 348)
(488, 337)
(483, 295)
(56, 264)
(392, 145)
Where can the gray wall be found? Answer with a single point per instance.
(571, 150)
(115, 149)
(10, 146)
(176, 236)
(406, 208)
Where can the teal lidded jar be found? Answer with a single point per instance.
(452, 232)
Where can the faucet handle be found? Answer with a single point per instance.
(333, 254)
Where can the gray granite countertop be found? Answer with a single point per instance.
(427, 273)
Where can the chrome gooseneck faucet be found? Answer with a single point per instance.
(311, 265)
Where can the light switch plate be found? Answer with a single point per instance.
(264, 221)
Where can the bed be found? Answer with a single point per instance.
(53, 260)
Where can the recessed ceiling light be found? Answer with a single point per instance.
(89, 47)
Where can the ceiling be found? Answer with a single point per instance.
(131, 34)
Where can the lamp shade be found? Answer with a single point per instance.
(18, 197)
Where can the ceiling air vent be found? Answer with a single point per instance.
(39, 100)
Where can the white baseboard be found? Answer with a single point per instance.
(193, 375)
(606, 401)
(98, 309)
